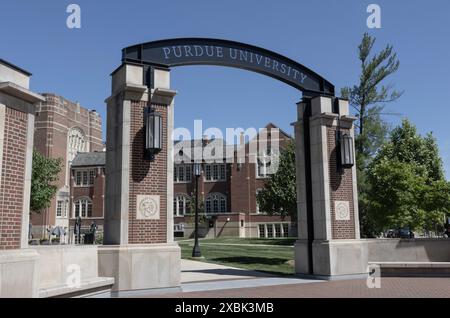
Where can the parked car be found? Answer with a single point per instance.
(447, 233)
(404, 232)
(390, 234)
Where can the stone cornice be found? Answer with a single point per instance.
(131, 92)
(162, 96)
(19, 98)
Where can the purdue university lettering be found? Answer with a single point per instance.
(200, 51)
(243, 56)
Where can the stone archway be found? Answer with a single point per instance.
(142, 253)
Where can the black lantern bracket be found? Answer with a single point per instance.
(346, 156)
(344, 140)
(153, 124)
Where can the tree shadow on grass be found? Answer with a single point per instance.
(251, 260)
(284, 242)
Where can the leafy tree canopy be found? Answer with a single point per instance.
(44, 174)
(279, 194)
(406, 182)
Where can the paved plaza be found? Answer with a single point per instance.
(204, 280)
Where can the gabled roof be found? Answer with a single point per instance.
(89, 159)
(271, 125)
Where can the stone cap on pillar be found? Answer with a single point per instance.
(21, 92)
(163, 96)
(14, 74)
(15, 82)
(128, 78)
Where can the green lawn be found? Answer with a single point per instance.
(272, 259)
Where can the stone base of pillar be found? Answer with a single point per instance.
(141, 267)
(337, 259)
(18, 274)
(301, 257)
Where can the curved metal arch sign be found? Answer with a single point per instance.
(199, 51)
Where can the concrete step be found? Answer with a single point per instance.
(413, 269)
(88, 288)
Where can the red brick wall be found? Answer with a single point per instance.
(341, 189)
(95, 193)
(240, 187)
(54, 118)
(147, 177)
(12, 181)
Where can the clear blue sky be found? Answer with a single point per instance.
(322, 35)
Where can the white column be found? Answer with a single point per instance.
(2, 135)
(27, 181)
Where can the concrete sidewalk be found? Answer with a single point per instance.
(203, 277)
(195, 271)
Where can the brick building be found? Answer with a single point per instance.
(63, 129)
(227, 191)
(17, 106)
(87, 191)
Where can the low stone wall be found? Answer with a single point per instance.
(140, 266)
(18, 274)
(58, 262)
(44, 271)
(408, 250)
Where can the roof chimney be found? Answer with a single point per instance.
(205, 140)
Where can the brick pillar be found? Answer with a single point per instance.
(17, 107)
(134, 183)
(328, 245)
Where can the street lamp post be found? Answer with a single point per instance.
(197, 172)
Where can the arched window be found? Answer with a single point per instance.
(181, 205)
(216, 203)
(264, 167)
(76, 142)
(83, 208)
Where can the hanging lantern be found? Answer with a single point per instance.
(347, 154)
(197, 169)
(153, 133)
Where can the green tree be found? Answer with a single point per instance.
(44, 173)
(279, 194)
(368, 99)
(406, 182)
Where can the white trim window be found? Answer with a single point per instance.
(181, 205)
(215, 172)
(216, 203)
(61, 208)
(269, 230)
(262, 230)
(182, 173)
(76, 142)
(83, 208)
(257, 204)
(84, 178)
(264, 164)
(285, 229)
(273, 230)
